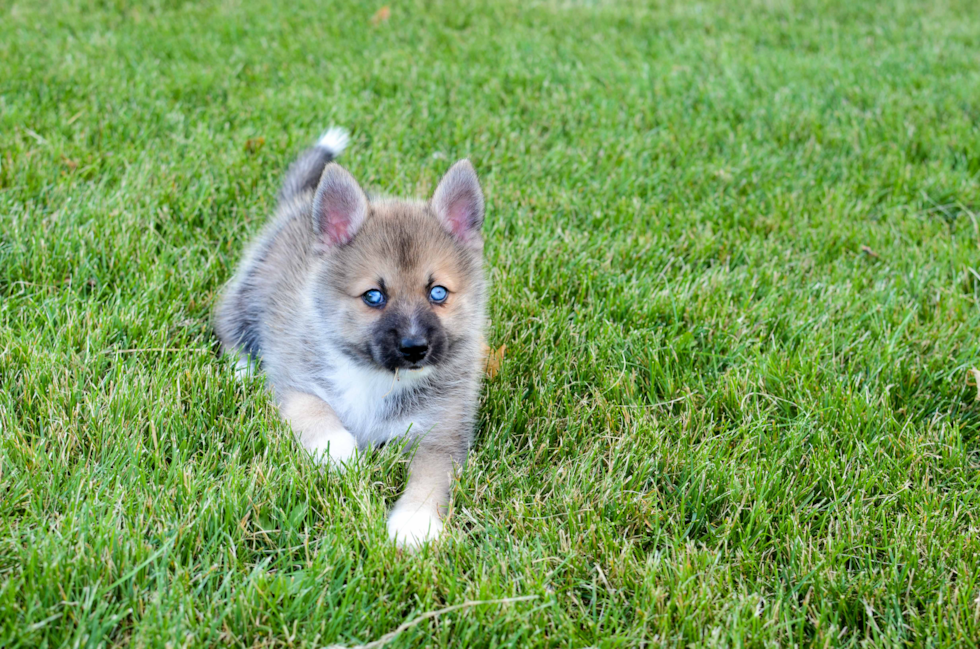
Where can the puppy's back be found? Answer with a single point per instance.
(265, 287)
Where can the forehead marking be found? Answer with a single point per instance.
(407, 250)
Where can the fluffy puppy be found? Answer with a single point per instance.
(367, 318)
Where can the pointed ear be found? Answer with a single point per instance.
(458, 202)
(339, 206)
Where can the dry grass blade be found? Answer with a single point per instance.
(388, 637)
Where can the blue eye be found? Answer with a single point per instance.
(438, 294)
(374, 297)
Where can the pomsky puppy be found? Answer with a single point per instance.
(367, 318)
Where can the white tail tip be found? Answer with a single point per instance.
(334, 140)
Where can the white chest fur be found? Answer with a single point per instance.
(358, 397)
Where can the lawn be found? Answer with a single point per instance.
(735, 257)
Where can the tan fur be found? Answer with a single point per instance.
(296, 306)
(318, 428)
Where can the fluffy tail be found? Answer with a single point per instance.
(304, 173)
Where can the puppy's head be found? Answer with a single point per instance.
(401, 283)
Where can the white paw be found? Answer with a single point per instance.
(412, 524)
(336, 450)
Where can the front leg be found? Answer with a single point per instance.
(417, 516)
(318, 429)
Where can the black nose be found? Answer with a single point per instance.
(413, 350)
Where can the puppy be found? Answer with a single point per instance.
(367, 318)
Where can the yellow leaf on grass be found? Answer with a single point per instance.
(252, 145)
(493, 359)
(381, 15)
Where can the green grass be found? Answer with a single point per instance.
(735, 254)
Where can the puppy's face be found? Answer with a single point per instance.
(402, 286)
